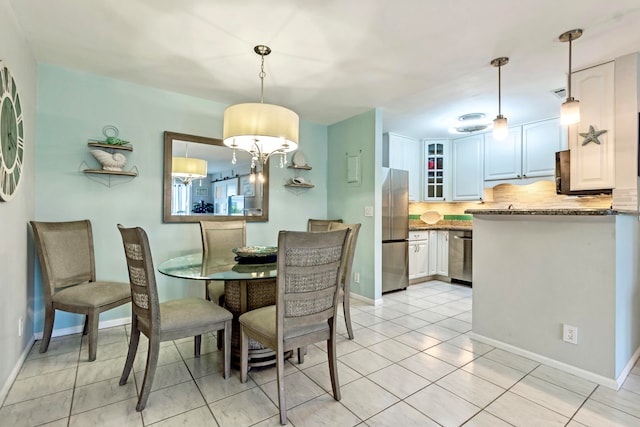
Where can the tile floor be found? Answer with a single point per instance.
(411, 364)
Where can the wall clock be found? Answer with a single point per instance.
(11, 135)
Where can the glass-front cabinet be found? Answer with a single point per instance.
(435, 169)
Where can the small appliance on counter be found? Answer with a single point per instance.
(395, 229)
(563, 177)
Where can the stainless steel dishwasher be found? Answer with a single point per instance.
(461, 256)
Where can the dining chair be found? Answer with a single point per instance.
(218, 239)
(67, 264)
(320, 224)
(164, 321)
(308, 278)
(346, 272)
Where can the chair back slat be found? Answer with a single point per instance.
(220, 237)
(142, 280)
(351, 248)
(320, 224)
(65, 253)
(309, 271)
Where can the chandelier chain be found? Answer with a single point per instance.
(262, 76)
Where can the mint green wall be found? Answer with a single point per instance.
(73, 106)
(359, 136)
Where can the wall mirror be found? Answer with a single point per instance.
(227, 192)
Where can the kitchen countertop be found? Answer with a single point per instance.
(566, 212)
(417, 225)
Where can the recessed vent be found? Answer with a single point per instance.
(560, 93)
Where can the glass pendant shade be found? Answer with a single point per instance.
(260, 128)
(500, 128)
(188, 168)
(570, 112)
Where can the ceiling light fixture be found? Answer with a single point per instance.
(186, 168)
(261, 129)
(570, 111)
(500, 129)
(471, 122)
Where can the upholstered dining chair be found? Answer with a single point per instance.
(346, 272)
(218, 239)
(67, 264)
(320, 224)
(309, 271)
(164, 321)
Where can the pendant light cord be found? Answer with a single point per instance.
(499, 91)
(569, 74)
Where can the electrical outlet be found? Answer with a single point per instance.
(356, 277)
(570, 333)
(20, 326)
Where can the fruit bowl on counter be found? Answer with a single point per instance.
(430, 217)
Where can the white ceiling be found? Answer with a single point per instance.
(423, 62)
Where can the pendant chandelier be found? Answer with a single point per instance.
(186, 169)
(261, 129)
(570, 111)
(500, 129)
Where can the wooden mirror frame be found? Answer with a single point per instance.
(167, 216)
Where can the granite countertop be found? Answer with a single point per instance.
(417, 225)
(566, 212)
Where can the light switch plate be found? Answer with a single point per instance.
(368, 211)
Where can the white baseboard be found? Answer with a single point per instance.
(77, 329)
(14, 372)
(365, 299)
(612, 383)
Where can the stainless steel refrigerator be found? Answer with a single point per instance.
(395, 229)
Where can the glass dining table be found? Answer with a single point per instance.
(246, 287)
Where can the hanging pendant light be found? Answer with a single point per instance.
(261, 129)
(500, 126)
(570, 111)
(186, 168)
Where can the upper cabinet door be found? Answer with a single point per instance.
(402, 152)
(435, 170)
(503, 159)
(540, 141)
(467, 167)
(592, 163)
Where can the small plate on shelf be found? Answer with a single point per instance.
(299, 159)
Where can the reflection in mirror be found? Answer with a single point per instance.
(228, 191)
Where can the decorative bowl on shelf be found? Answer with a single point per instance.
(256, 254)
(431, 217)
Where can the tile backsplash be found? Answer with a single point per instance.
(538, 195)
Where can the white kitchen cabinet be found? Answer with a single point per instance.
(540, 141)
(467, 156)
(503, 159)
(528, 152)
(433, 252)
(418, 254)
(436, 165)
(401, 152)
(592, 164)
(442, 266)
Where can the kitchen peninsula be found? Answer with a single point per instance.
(537, 270)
